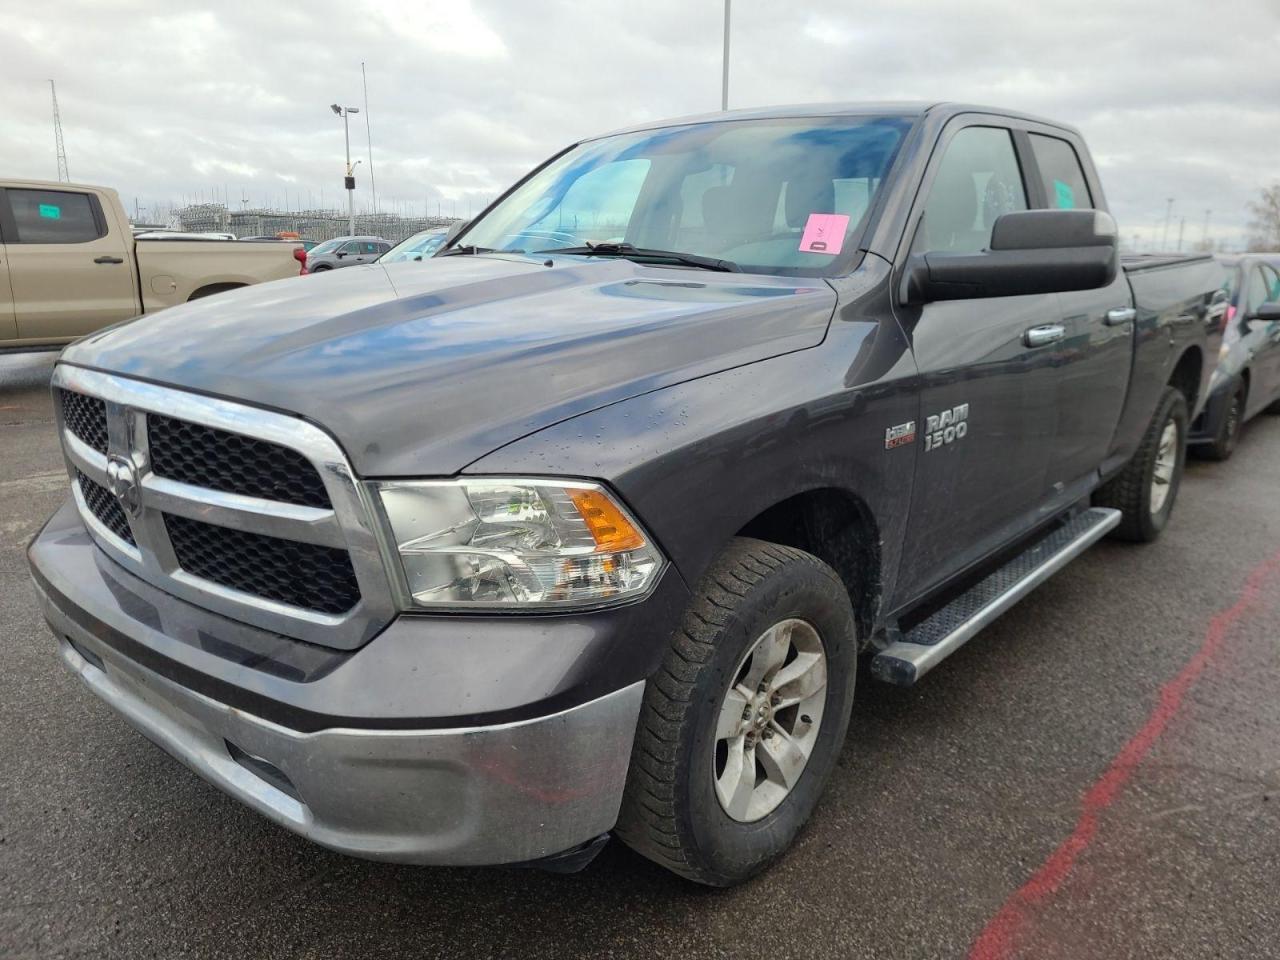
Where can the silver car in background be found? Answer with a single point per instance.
(345, 252)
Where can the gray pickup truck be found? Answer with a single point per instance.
(581, 526)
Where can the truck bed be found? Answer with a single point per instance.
(1136, 262)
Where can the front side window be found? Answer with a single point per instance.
(1264, 286)
(785, 196)
(1060, 170)
(351, 246)
(977, 181)
(53, 216)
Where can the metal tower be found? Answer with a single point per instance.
(63, 176)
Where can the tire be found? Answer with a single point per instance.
(671, 811)
(1224, 443)
(1132, 491)
(321, 268)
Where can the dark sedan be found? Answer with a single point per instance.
(1247, 380)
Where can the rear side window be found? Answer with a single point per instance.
(977, 181)
(54, 216)
(1060, 170)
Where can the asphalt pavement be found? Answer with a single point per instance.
(1097, 775)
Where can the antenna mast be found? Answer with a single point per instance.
(63, 176)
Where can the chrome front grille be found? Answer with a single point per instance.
(253, 514)
(305, 575)
(86, 417)
(232, 462)
(105, 507)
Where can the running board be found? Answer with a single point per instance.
(945, 631)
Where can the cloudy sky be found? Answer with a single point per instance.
(172, 101)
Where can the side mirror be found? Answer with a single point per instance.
(456, 229)
(1267, 312)
(340, 254)
(1032, 251)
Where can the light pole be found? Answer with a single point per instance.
(724, 77)
(350, 181)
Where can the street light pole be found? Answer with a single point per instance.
(350, 181)
(724, 79)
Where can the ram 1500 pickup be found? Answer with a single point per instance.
(580, 526)
(70, 265)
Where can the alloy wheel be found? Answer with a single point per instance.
(1166, 463)
(769, 720)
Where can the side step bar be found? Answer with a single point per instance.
(943, 632)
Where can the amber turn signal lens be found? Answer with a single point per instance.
(610, 528)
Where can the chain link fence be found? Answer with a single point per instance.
(307, 224)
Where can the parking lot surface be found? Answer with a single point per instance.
(1096, 775)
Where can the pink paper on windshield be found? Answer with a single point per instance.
(824, 233)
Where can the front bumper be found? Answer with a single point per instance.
(459, 795)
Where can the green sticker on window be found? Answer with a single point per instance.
(50, 212)
(1066, 196)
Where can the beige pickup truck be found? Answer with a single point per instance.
(69, 264)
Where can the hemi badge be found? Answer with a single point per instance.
(902, 434)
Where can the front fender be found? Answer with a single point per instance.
(698, 461)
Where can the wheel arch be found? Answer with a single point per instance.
(209, 289)
(839, 528)
(1187, 377)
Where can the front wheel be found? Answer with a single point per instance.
(1145, 490)
(742, 724)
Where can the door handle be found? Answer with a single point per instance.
(1040, 336)
(1119, 315)
(108, 260)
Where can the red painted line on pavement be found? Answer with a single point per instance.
(999, 937)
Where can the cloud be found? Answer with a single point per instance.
(167, 102)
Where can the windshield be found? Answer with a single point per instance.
(419, 245)
(328, 246)
(773, 196)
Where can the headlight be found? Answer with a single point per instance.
(481, 543)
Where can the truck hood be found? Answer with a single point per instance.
(420, 368)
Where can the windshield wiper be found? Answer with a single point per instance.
(629, 250)
(469, 250)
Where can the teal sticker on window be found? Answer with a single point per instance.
(50, 212)
(1066, 196)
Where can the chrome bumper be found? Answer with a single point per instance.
(508, 793)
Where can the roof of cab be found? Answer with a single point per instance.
(910, 109)
(25, 183)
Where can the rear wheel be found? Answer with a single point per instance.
(743, 723)
(1224, 443)
(1145, 490)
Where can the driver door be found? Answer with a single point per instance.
(988, 413)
